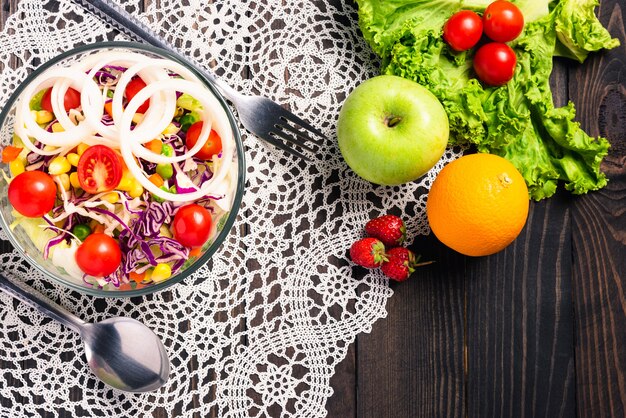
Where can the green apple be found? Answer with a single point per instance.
(392, 130)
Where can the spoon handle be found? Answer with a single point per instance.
(33, 298)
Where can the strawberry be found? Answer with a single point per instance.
(368, 252)
(400, 264)
(388, 228)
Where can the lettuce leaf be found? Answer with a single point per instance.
(519, 120)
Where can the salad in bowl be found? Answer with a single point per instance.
(122, 169)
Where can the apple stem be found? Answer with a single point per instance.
(392, 121)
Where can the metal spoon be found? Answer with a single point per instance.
(122, 352)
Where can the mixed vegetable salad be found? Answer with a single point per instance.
(122, 168)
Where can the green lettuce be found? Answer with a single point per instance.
(518, 120)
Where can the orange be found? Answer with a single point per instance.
(478, 204)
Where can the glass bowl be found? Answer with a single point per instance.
(27, 248)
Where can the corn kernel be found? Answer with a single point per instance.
(82, 147)
(59, 165)
(161, 272)
(73, 158)
(111, 197)
(16, 167)
(57, 127)
(127, 182)
(136, 190)
(49, 148)
(171, 129)
(64, 179)
(137, 118)
(74, 180)
(43, 116)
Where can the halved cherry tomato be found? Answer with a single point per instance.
(32, 193)
(212, 146)
(192, 225)
(463, 30)
(70, 101)
(99, 255)
(10, 153)
(99, 169)
(134, 86)
(494, 63)
(503, 21)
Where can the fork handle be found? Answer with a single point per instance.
(117, 17)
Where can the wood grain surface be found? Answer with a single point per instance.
(538, 330)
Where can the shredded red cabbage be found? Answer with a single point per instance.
(104, 74)
(115, 67)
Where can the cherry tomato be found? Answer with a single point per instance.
(503, 21)
(212, 146)
(132, 88)
(99, 255)
(463, 30)
(99, 169)
(70, 101)
(32, 193)
(494, 63)
(192, 225)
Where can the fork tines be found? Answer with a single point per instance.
(296, 132)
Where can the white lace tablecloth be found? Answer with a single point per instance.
(259, 330)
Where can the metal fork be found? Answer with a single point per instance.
(259, 115)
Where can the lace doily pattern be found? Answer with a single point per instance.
(259, 330)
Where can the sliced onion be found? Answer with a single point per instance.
(21, 132)
(131, 60)
(173, 84)
(212, 111)
(143, 69)
(69, 137)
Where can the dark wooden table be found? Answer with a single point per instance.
(538, 330)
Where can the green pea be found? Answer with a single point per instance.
(187, 120)
(167, 150)
(110, 94)
(81, 231)
(161, 200)
(165, 170)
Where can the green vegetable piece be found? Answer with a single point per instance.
(187, 102)
(81, 231)
(165, 188)
(110, 94)
(167, 150)
(165, 170)
(35, 101)
(187, 120)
